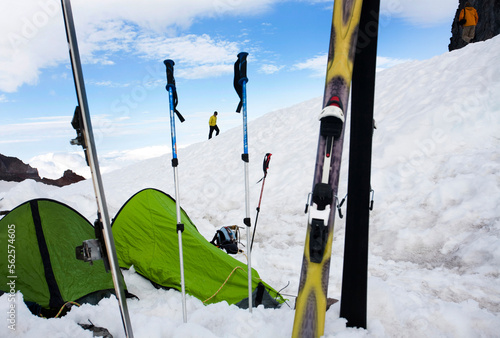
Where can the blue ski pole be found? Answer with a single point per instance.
(172, 95)
(240, 81)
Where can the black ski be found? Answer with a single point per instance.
(355, 273)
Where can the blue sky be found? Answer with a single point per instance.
(124, 42)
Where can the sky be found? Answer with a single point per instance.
(123, 45)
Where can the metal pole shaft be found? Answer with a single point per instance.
(181, 255)
(118, 282)
(177, 203)
(247, 195)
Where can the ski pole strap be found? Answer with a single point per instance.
(171, 85)
(240, 76)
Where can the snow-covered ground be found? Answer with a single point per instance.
(434, 261)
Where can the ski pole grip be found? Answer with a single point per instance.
(265, 163)
(242, 59)
(169, 64)
(170, 73)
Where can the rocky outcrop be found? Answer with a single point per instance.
(13, 169)
(69, 177)
(487, 27)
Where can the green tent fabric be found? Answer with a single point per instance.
(146, 238)
(42, 235)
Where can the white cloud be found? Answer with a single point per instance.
(110, 84)
(270, 69)
(35, 129)
(189, 49)
(135, 155)
(316, 64)
(419, 13)
(32, 34)
(53, 165)
(31, 38)
(196, 56)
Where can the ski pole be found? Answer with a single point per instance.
(86, 140)
(172, 95)
(240, 81)
(265, 166)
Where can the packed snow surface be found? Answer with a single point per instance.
(434, 261)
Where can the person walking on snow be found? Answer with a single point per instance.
(468, 19)
(212, 123)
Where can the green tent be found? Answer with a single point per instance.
(146, 238)
(38, 240)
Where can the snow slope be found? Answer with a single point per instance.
(434, 262)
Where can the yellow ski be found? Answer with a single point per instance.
(310, 306)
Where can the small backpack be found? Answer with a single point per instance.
(227, 238)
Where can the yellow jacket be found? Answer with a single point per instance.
(213, 121)
(470, 16)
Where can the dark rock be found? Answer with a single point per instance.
(69, 177)
(14, 170)
(487, 27)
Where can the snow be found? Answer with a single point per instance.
(434, 261)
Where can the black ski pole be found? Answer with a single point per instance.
(240, 81)
(265, 166)
(172, 95)
(85, 138)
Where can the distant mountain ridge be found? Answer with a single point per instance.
(14, 170)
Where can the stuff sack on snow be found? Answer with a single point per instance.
(39, 238)
(145, 237)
